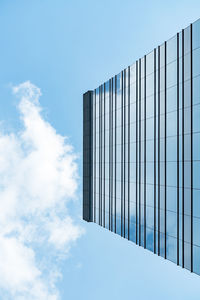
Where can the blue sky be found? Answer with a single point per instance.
(66, 48)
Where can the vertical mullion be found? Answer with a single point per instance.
(102, 194)
(124, 125)
(104, 173)
(165, 150)
(177, 148)
(145, 151)
(122, 153)
(109, 165)
(91, 157)
(158, 150)
(101, 121)
(110, 147)
(191, 153)
(115, 145)
(136, 227)
(139, 152)
(95, 157)
(154, 150)
(128, 179)
(111, 215)
(99, 155)
(183, 148)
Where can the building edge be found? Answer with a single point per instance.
(87, 157)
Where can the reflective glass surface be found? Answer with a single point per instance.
(145, 151)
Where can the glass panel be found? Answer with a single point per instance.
(150, 107)
(150, 173)
(150, 63)
(133, 93)
(172, 99)
(171, 223)
(196, 174)
(196, 259)
(132, 73)
(150, 239)
(150, 128)
(171, 74)
(171, 49)
(196, 90)
(132, 230)
(196, 118)
(187, 40)
(196, 228)
(196, 203)
(172, 249)
(196, 34)
(150, 195)
(171, 148)
(150, 85)
(187, 66)
(150, 151)
(171, 173)
(196, 62)
(119, 82)
(172, 199)
(172, 123)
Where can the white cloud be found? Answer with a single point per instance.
(38, 177)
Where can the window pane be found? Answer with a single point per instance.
(171, 248)
(172, 99)
(171, 49)
(196, 90)
(196, 62)
(150, 63)
(196, 34)
(171, 74)
(187, 37)
(172, 199)
(171, 173)
(196, 118)
(172, 123)
(196, 203)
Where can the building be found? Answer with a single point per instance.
(141, 151)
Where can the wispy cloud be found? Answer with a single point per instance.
(38, 177)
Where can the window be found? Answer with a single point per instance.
(172, 198)
(196, 62)
(196, 34)
(171, 74)
(196, 90)
(171, 49)
(171, 173)
(171, 148)
(150, 63)
(172, 99)
(172, 123)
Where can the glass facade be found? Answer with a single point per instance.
(141, 151)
